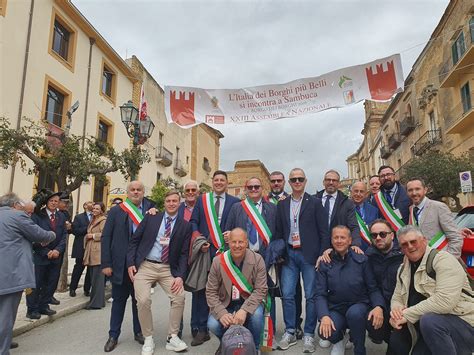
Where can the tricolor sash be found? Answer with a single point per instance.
(235, 275)
(266, 340)
(217, 238)
(439, 240)
(132, 211)
(273, 200)
(363, 230)
(258, 221)
(388, 212)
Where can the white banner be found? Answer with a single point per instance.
(378, 81)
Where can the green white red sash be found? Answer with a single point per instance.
(258, 221)
(266, 340)
(363, 230)
(273, 200)
(132, 211)
(388, 212)
(439, 240)
(235, 275)
(217, 238)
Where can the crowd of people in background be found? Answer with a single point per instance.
(382, 264)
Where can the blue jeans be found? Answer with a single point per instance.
(254, 323)
(290, 275)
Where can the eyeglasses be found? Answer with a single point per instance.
(331, 180)
(386, 175)
(190, 190)
(253, 187)
(408, 243)
(299, 179)
(276, 181)
(383, 235)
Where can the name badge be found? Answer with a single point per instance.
(235, 293)
(164, 241)
(295, 240)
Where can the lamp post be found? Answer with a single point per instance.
(138, 129)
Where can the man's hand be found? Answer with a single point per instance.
(205, 247)
(467, 233)
(54, 254)
(396, 313)
(226, 236)
(152, 211)
(50, 253)
(356, 249)
(107, 271)
(132, 270)
(227, 320)
(240, 316)
(177, 286)
(325, 257)
(326, 327)
(397, 323)
(68, 225)
(376, 315)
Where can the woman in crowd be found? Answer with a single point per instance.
(92, 243)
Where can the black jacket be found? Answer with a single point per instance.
(79, 229)
(40, 253)
(401, 202)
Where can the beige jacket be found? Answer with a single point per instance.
(219, 286)
(92, 246)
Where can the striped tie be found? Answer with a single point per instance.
(166, 248)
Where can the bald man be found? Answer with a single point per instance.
(363, 209)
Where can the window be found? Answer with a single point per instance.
(466, 98)
(458, 48)
(103, 131)
(158, 176)
(62, 41)
(108, 82)
(100, 186)
(54, 107)
(160, 139)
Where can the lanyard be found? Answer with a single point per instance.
(296, 210)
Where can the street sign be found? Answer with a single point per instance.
(466, 181)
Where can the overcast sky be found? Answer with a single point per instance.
(224, 44)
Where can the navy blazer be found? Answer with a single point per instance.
(313, 226)
(198, 218)
(401, 202)
(145, 236)
(79, 229)
(115, 239)
(40, 253)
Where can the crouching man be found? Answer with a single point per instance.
(236, 288)
(432, 308)
(158, 253)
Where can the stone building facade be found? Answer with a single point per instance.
(244, 170)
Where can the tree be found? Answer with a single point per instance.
(160, 189)
(440, 171)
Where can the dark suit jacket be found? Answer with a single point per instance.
(371, 213)
(313, 226)
(198, 218)
(79, 229)
(401, 201)
(115, 239)
(238, 219)
(145, 236)
(40, 253)
(343, 213)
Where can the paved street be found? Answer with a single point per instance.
(85, 332)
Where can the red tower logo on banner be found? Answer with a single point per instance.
(182, 109)
(382, 84)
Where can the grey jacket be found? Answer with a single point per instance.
(17, 232)
(199, 265)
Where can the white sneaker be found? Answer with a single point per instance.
(148, 347)
(338, 348)
(324, 343)
(110, 300)
(176, 344)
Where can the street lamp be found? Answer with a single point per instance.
(138, 129)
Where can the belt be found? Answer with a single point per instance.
(153, 261)
(291, 247)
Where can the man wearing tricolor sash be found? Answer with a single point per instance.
(434, 219)
(364, 211)
(394, 204)
(122, 221)
(208, 219)
(236, 288)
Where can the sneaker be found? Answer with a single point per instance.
(176, 344)
(149, 346)
(338, 348)
(324, 343)
(110, 300)
(286, 341)
(308, 344)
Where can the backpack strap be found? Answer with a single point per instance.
(429, 264)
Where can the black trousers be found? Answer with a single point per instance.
(76, 276)
(47, 277)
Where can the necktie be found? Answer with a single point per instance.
(89, 216)
(217, 205)
(359, 211)
(416, 211)
(53, 221)
(166, 248)
(327, 205)
(388, 196)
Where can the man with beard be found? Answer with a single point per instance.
(277, 186)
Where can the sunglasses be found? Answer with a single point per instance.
(383, 235)
(406, 244)
(253, 187)
(276, 181)
(190, 190)
(299, 179)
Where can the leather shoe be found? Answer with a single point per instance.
(140, 338)
(87, 293)
(54, 301)
(33, 315)
(47, 311)
(200, 338)
(72, 293)
(13, 345)
(110, 345)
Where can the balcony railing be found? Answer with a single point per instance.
(407, 125)
(180, 169)
(163, 156)
(384, 152)
(461, 117)
(426, 142)
(394, 141)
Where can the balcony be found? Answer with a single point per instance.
(461, 117)
(163, 156)
(407, 125)
(206, 166)
(394, 141)
(427, 141)
(180, 169)
(451, 72)
(384, 152)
